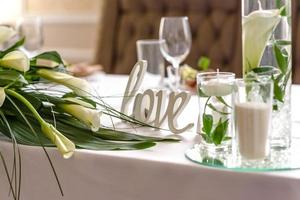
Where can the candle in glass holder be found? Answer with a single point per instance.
(253, 126)
(253, 111)
(215, 104)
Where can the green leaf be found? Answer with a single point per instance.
(283, 11)
(206, 138)
(207, 121)
(278, 91)
(50, 55)
(221, 99)
(203, 63)
(281, 7)
(220, 131)
(201, 93)
(282, 58)
(43, 97)
(11, 76)
(13, 47)
(283, 42)
(216, 110)
(80, 137)
(109, 134)
(264, 70)
(278, 4)
(87, 100)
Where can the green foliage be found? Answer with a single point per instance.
(207, 121)
(264, 70)
(282, 58)
(203, 63)
(8, 77)
(217, 134)
(220, 131)
(50, 55)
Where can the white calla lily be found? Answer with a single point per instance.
(63, 144)
(79, 86)
(6, 33)
(257, 30)
(2, 96)
(88, 116)
(15, 60)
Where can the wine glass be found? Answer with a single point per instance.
(176, 44)
(32, 29)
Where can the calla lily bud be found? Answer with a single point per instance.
(257, 30)
(88, 116)
(63, 144)
(6, 33)
(15, 60)
(80, 86)
(2, 96)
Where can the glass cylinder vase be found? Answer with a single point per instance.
(215, 93)
(266, 38)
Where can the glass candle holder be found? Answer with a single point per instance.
(253, 113)
(215, 117)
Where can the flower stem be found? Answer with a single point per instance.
(206, 104)
(26, 103)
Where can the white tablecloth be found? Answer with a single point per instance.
(158, 173)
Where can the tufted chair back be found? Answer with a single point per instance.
(215, 28)
(296, 41)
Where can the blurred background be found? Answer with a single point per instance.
(69, 26)
(105, 31)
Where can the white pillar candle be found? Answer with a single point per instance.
(253, 126)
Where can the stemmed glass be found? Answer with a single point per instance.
(176, 44)
(31, 28)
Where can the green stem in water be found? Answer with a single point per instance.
(206, 104)
(26, 103)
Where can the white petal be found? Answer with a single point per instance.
(2, 96)
(6, 33)
(16, 60)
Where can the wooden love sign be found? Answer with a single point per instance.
(153, 107)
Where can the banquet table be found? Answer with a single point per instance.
(158, 173)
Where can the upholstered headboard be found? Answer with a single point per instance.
(214, 24)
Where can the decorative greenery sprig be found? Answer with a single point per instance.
(214, 132)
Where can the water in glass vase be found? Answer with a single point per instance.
(266, 30)
(215, 103)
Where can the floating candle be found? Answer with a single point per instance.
(218, 86)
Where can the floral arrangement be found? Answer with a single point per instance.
(69, 118)
(189, 74)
